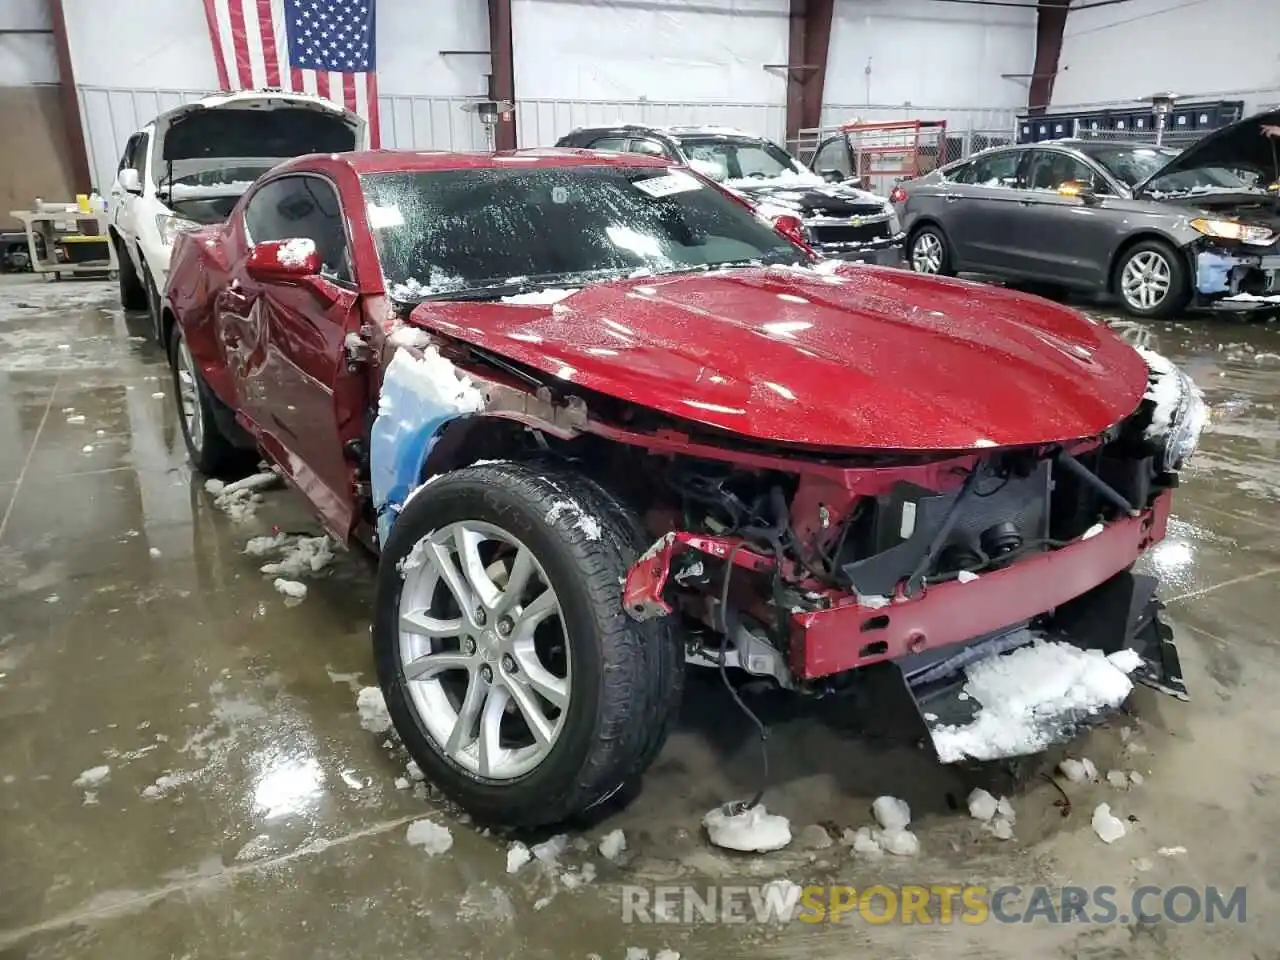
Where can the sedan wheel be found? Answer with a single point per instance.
(484, 649)
(189, 396)
(1146, 280)
(928, 252)
(513, 676)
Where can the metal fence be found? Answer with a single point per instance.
(1169, 138)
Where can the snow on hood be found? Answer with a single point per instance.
(863, 359)
(796, 178)
(199, 191)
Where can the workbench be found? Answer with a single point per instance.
(60, 228)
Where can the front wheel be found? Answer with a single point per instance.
(513, 676)
(928, 252)
(1151, 280)
(207, 445)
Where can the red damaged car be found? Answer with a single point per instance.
(599, 420)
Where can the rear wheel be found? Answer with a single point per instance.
(514, 677)
(928, 252)
(211, 452)
(133, 295)
(1151, 280)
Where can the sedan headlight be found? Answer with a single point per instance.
(1178, 412)
(170, 226)
(1234, 230)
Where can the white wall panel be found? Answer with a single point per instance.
(146, 44)
(659, 50)
(26, 58)
(1128, 51)
(921, 52)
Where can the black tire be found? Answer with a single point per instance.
(1179, 291)
(152, 305)
(923, 235)
(627, 676)
(133, 295)
(212, 453)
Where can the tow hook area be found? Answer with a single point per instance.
(678, 551)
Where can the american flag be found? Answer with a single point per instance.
(325, 47)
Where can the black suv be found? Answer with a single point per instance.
(839, 219)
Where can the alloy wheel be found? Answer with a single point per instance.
(1146, 280)
(483, 649)
(926, 254)
(189, 395)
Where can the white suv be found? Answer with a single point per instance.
(189, 166)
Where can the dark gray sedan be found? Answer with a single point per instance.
(1159, 229)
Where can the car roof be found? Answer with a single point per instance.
(415, 161)
(674, 132)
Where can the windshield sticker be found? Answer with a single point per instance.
(674, 182)
(559, 195)
(381, 217)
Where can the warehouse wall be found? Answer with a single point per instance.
(33, 164)
(1128, 51)
(929, 54)
(149, 44)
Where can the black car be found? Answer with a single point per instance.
(840, 220)
(1158, 228)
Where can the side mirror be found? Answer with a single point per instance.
(1074, 188)
(130, 180)
(792, 228)
(284, 259)
(831, 176)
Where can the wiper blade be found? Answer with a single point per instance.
(484, 293)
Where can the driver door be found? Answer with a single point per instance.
(290, 336)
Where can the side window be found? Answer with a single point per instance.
(130, 149)
(996, 170)
(302, 206)
(612, 144)
(139, 159)
(1049, 170)
(833, 156)
(959, 174)
(650, 148)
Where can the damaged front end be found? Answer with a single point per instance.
(994, 588)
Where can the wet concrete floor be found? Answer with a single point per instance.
(246, 813)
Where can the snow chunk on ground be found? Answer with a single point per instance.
(865, 843)
(1171, 851)
(407, 336)
(413, 771)
(155, 552)
(548, 852)
(402, 783)
(1127, 660)
(891, 813)
(1136, 778)
(263, 546)
(1118, 779)
(1026, 695)
(612, 844)
(899, 842)
(432, 380)
(239, 500)
(545, 297)
(373, 710)
(982, 805)
(290, 589)
(753, 831)
(166, 783)
(432, 837)
(1109, 828)
(1078, 771)
(517, 856)
(966, 576)
(92, 777)
(305, 555)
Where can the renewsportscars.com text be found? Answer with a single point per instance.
(786, 902)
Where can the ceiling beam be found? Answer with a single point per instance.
(78, 156)
(502, 81)
(1051, 21)
(809, 39)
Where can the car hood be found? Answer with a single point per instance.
(1244, 145)
(811, 199)
(871, 359)
(255, 124)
